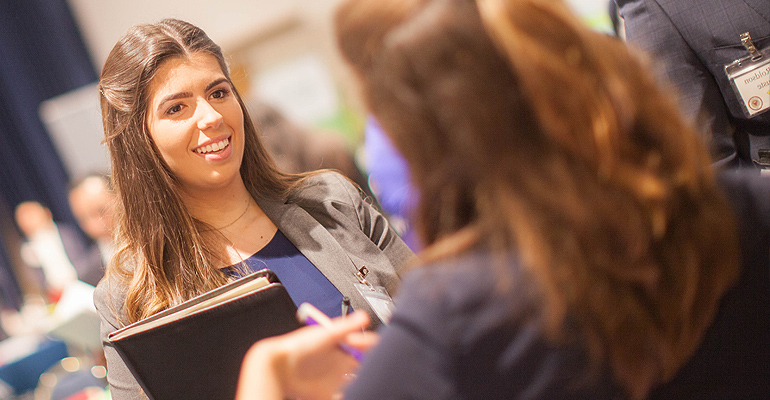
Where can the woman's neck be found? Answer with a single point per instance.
(219, 208)
(239, 227)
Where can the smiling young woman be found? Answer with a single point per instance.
(200, 202)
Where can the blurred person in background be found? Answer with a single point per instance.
(579, 243)
(297, 149)
(91, 200)
(389, 181)
(200, 202)
(48, 246)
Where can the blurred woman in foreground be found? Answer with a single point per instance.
(579, 243)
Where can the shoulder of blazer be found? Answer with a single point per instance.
(329, 189)
(109, 298)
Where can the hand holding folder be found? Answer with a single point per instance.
(194, 350)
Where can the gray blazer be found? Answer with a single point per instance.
(330, 223)
(694, 40)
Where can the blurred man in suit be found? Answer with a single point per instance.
(91, 201)
(695, 40)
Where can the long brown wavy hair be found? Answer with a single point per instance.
(528, 132)
(162, 256)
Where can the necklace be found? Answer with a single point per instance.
(248, 203)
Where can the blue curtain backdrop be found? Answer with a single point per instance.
(42, 55)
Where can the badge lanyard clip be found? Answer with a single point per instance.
(749, 45)
(361, 275)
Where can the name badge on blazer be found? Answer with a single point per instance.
(378, 299)
(750, 78)
(376, 296)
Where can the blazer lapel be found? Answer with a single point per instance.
(324, 251)
(311, 238)
(318, 245)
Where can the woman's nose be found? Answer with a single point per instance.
(208, 116)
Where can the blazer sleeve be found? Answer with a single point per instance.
(123, 386)
(650, 28)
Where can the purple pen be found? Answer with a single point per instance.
(310, 315)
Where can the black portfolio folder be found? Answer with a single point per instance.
(194, 350)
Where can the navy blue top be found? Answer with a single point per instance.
(303, 281)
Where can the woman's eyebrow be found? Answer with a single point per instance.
(181, 95)
(216, 82)
(174, 96)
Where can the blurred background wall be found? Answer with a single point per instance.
(280, 50)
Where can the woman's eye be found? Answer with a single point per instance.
(174, 109)
(220, 93)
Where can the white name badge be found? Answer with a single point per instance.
(378, 299)
(750, 79)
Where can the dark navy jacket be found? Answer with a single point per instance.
(454, 337)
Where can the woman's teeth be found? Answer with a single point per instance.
(214, 147)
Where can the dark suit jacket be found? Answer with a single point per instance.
(694, 40)
(84, 255)
(329, 223)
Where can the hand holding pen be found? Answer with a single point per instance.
(310, 315)
(308, 362)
